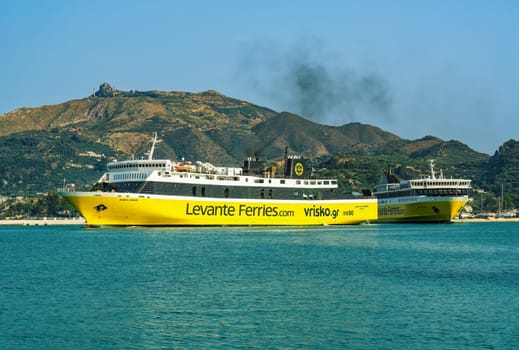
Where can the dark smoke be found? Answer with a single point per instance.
(302, 80)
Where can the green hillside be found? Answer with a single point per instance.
(501, 173)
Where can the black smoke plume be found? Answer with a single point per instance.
(303, 79)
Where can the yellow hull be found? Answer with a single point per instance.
(431, 209)
(128, 209)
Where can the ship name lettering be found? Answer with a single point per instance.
(387, 211)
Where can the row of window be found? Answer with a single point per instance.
(439, 183)
(263, 195)
(135, 166)
(130, 176)
(260, 181)
(142, 176)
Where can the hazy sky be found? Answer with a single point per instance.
(414, 68)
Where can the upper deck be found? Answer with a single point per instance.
(425, 184)
(204, 174)
(254, 173)
(432, 182)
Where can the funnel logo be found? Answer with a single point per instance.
(101, 207)
(299, 169)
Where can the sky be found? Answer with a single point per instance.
(446, 68)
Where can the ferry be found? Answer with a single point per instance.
(162, 192)
(429, 199)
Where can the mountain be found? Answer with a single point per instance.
(501, 173)
(73, 141)
(205, 125)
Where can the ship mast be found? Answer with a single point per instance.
(432, 169)
(154, 141)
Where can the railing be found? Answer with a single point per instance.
(67, 188)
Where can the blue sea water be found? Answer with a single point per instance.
(353, 287)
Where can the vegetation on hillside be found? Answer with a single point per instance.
(501, 174)
(40, 206)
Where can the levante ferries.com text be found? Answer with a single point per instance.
(260, 210)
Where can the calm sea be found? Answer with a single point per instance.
(355, 287)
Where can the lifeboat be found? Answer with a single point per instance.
(183, 168)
